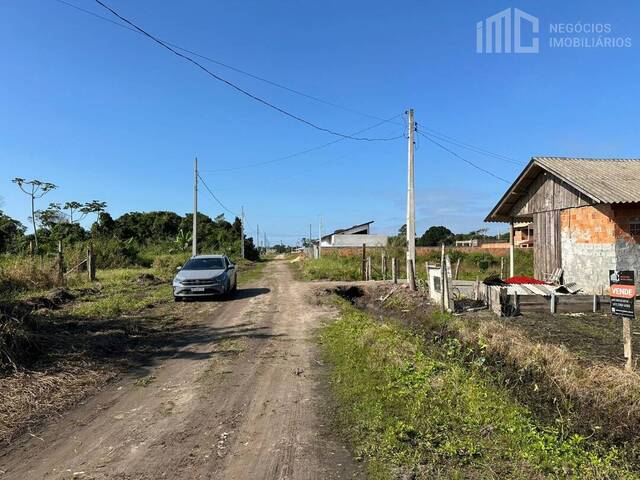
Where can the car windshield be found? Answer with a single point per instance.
(204, 264)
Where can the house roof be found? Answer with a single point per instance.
(604, 180)
(347, 230)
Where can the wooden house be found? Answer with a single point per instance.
(585, 214)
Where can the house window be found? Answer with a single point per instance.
(634, 227)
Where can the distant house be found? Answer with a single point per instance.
(585, 216)
(473, 242)
(523, 234)
(354, 236)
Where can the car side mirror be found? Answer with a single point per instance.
(178, 269)
(231, 266)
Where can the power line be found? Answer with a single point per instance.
(441, 136)
(236, 87)
(303, 152)
(473, 148)
(216, 198)
(464, 159)
(226, 65)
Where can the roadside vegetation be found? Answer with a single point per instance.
(332, 266)
(61, 339)
(420, 401)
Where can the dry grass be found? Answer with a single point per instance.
(29, 397)
(26, 273)
(605, 398)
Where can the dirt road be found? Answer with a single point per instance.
(243, 398)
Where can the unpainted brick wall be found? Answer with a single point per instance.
(596, 239)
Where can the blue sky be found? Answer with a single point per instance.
(107, 114)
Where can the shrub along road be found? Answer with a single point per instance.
(243, 398)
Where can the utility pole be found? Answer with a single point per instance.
(264, 244)
(310, 235)
(319, 236)
(258, 237)
(194, 233)
(242, 232)
(411, 214)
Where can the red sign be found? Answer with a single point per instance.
(623, 291)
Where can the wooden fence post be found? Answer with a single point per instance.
(60, 264)
(501, 267)
(411, 277)
(394, 270)
(384, 266)
(91, 264)
(553, 303)
(443, 280)
(595, 303)
(364, 261)
(457, 269)
(626, 336)
(368, 268)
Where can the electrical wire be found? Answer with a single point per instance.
(441, 136)
(459, 143)
(236, 87)
(302, 152)
(216, 198)
(464, 159)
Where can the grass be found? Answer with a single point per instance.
(249, 271)
(330, 267)
(349, 268)
(121, 291)
(416, 409)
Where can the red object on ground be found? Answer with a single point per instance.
(524, 280)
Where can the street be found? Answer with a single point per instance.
(244, 398)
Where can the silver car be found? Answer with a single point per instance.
(205, 275)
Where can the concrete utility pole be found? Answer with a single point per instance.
(319, 236)
(241, 232)
(194, 233)
(411, 215)
(258, 237)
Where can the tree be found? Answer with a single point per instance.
(183, 240)
(35, 189)
(51, 216)
(104, 227)
(10, 232)
(85, 209)
(399, 240)
(436, 235)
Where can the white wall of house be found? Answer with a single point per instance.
(341, 240)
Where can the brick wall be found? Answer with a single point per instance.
(627, 244)
(588, 251)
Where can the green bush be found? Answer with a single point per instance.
(165, 265)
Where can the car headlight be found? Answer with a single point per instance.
(178, 281)
(220, 278)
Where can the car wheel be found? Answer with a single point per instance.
(176, 299)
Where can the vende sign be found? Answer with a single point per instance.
(623, 292)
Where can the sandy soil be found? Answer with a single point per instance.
(246, 398)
